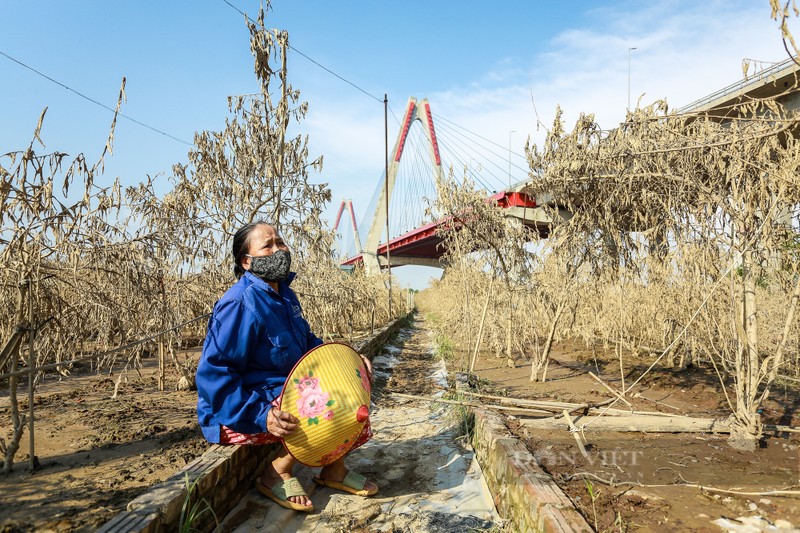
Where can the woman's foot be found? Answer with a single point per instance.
(336, 473)
(280, 469)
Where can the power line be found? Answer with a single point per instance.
(323, 67)
(334, 74)
(342, 78)
(92, 100)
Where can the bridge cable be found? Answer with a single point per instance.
(462, 154)
(471, 132)
(462, 157)
(425, 182)
(501, 156)
(367, 93)
(448, 136)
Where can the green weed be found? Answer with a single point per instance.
(444, 347)
(191, 512)
(593, 496)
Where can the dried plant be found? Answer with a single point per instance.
(53, 239)
(479, 228)
(96, 273)
(682, 247)
(783, 12)
(700, 195)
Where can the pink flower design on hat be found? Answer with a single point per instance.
(313, 401)
(307, 382)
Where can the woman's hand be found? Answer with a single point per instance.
(368, 366)
(280, 423)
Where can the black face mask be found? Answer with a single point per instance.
(272, 268)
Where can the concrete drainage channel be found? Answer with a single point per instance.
(524, 493)
(430, 479)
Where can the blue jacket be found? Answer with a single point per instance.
(254, 338)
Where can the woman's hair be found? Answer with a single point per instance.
(241, 242)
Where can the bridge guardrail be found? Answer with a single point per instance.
(739, 85)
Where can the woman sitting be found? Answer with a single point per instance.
(255, 336)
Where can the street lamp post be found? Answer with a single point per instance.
(629, 77)
(509, 157)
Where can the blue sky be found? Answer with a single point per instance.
(479, 63)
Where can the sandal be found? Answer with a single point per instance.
(282, 491)
(352, 483)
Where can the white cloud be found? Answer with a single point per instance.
(684, 51)
(681, 55)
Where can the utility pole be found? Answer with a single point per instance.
(386, 192)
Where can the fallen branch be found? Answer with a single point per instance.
(787, 378)
(617, 419)
(575, 433)
(467, 404)
(557, 407)
(657, 402)
(612, 483)
(646, 424)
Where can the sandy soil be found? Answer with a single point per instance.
(656, 459)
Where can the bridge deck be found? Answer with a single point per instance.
(426, 243)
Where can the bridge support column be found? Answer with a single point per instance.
(414, 111)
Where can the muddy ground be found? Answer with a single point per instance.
(656, 459)
(95, 453)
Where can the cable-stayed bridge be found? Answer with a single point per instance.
(427, 151)
(422, 155)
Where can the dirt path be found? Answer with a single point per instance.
(427, 474)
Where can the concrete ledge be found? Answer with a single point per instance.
(373, 345)
(523, 492)
(220, 477)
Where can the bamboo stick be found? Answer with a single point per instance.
(647, 424)
(636, 423)
(480, 328)
(559, 406)
(612, 483)
(575, 433)
(657, 402)
(619, 420)
(611, 390)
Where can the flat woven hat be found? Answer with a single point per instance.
(329, 391)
